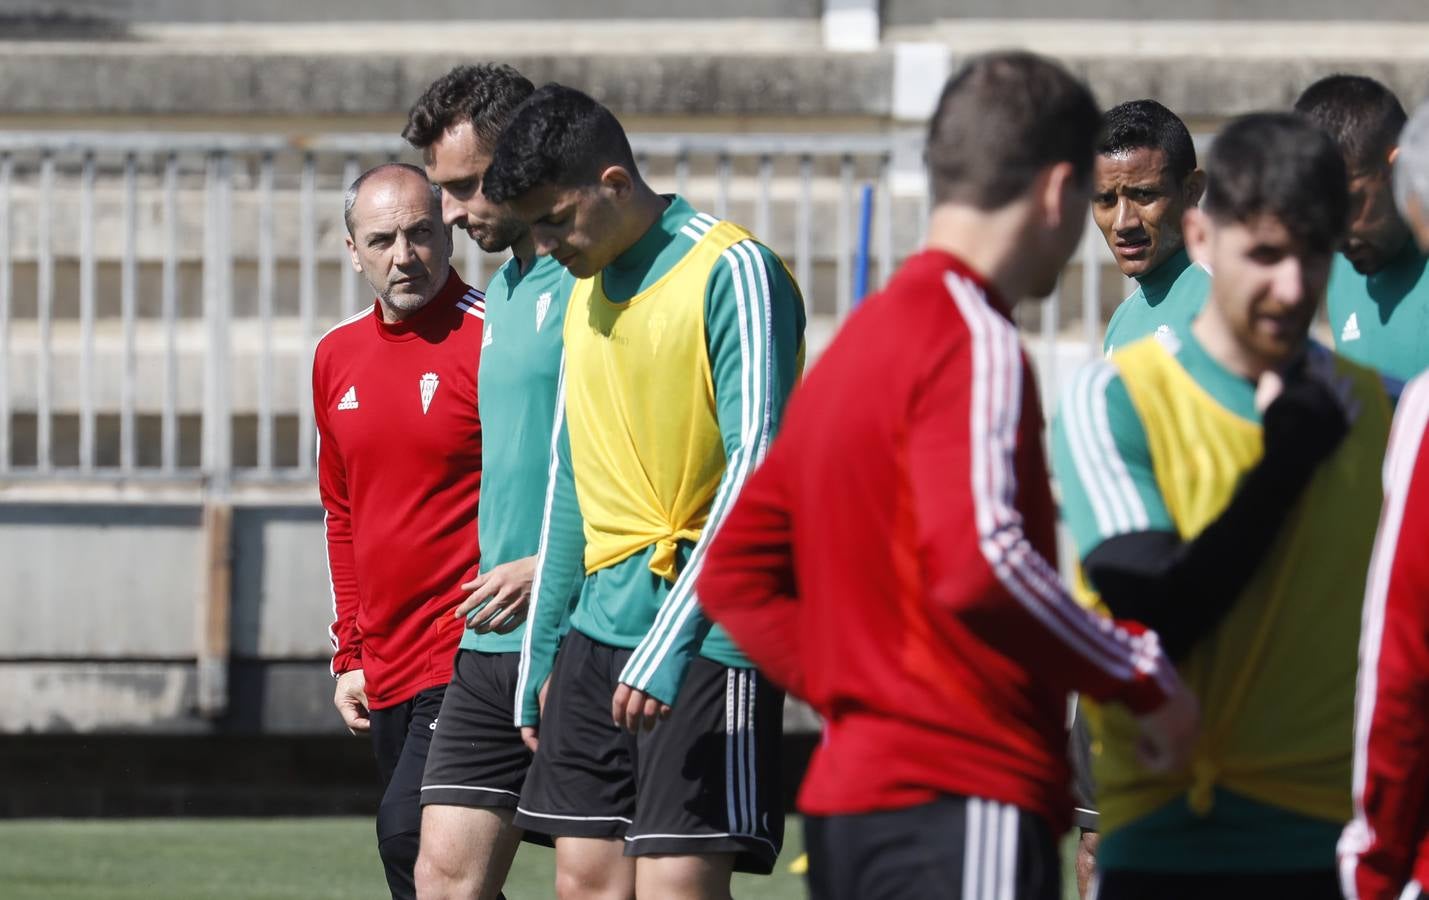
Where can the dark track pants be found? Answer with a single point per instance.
(401, 735)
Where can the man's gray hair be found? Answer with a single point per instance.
(1411, 167)
(349, 200)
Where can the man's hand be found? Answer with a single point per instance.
(635, 710)
(1168, 733)
(1086, 860)
(351, 700)
(1306, 410)
(498, 600)
(530, 734)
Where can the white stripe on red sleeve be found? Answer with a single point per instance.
(1405, 440)
(1027, 576)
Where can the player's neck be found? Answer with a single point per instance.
(646, 208)
(524, 249)
(991, 243)
(1219, 340)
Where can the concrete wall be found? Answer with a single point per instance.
(102, 604)
(97, 582)
(218, 11)
(914, 12)
(895, 12)
(799, 90)
(72, 79)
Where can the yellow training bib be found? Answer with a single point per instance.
(1276, 678)
(646, 449)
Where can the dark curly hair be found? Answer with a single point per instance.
(558, 136)
(485, 95)
(1146, 124)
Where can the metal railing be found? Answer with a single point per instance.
(161, 294)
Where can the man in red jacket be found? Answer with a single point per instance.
(1384, 851)
(399, 470)
(893, 561)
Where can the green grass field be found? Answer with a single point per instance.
(252, 859)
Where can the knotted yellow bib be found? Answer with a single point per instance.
(646, 449)
(1276, 678)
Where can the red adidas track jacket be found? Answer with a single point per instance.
(1386, 845)
(893, 563)
(399, 471)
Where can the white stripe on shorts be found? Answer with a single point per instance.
(526, 812)
(466, 787)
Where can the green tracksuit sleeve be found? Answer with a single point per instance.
(754, 325)
(1101, 461)
(560, 567)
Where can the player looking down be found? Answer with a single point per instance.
(1379, 287)
(683, 338)
(478, 761)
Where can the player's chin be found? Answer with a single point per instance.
(1365, 259)
(407, 298)
(494, 241)
(1278, 346)
(1042, 289)
(579, 268)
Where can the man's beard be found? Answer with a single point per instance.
(403, 302)
(497, 239)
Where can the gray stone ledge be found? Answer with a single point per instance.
(806, 84)
(69, 81)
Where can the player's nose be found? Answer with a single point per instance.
(1287, 285)
(1127, 218)
(453, 213)
(546, 243)
(402, 251)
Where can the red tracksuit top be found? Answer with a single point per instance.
(1387, 843)
(399, 471)
(892, 562)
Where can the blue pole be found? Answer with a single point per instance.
(865, 234)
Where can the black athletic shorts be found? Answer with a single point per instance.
(703, 781)
(1084, 786)
(477, 757)
(956, 847)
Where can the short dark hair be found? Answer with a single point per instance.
(485, 95)
(1362, 116)
(1146, 124)
(1000, 120)
(558, 136)
(349, 199)
(1281, 165)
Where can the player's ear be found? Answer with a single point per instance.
(352, 253)
(1196, 229)
(1194, 186)
(1056, 193)
(617, 180)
